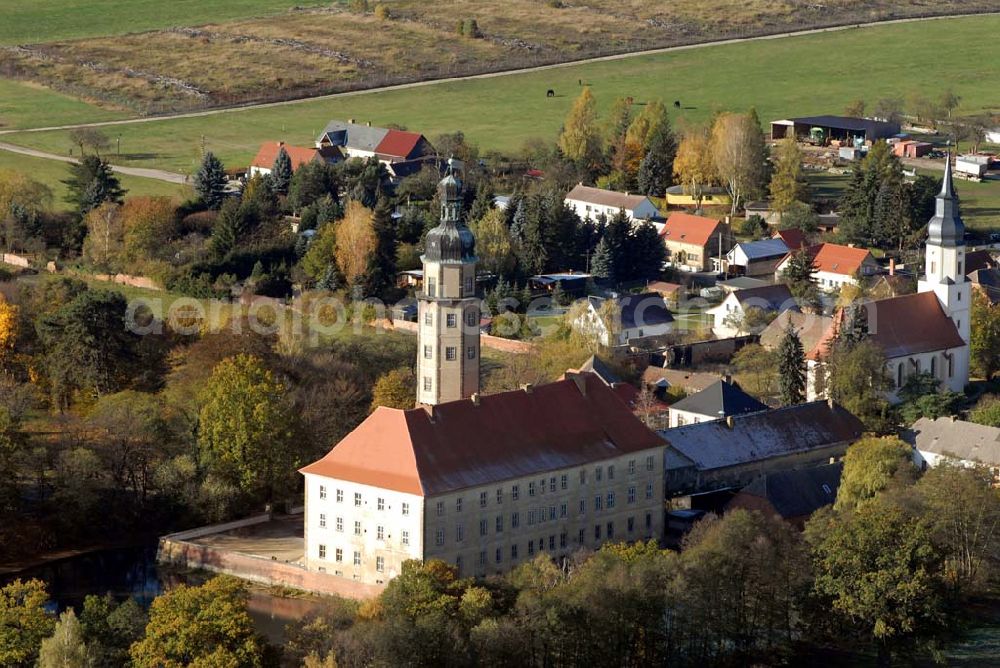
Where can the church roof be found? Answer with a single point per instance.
(460, 444)
(946, 227)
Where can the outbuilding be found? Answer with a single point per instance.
(843, 129)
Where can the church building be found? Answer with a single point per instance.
(924, 332)
(481, 482)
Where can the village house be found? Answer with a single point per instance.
(691, 241)
(589, 202)
(719, 400)
(793, 237)
(403, 153)
(263, 162)
(734, 315)
(836, 265)
(636, 318)
(947, 440)
(482, 482)
(734, 451)
(924, 332)
(791, 495)
(756, 258)
(810, 328)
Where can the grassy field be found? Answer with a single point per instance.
(26, 21)
(314, 50)
(781, 78)
(25, 105)
(52, 173)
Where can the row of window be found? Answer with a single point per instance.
(380, 533)
(450, 352)
(551, 485)
(338, 557)
(451, 319)
(469, 286)
(380, 501)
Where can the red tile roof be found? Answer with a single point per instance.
(836, 259)
(793, 238)
(398, 144)
(900, 326)
(458, 444)
(299, 155)
(688, 228)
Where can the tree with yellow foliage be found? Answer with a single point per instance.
(580, 140)
(693, 166)
(355, 241)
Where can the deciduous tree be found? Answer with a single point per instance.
(580, 140)
(24, 622)
(65, 648)
(395, 389)
(738, 154)
(693, 165)
(984, 345)
(494, 245)
(788, 184)
(870, 466)
(355, 242)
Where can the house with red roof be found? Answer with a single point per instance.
(263, 162)
(402, 152)
(692, 241)
(836, 265)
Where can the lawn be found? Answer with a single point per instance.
(52, 173)
(27, 21)
(24, 105)
(782, 77)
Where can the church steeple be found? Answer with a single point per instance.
(448, 312)
(946, 227)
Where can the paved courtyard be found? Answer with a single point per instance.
(280, 540)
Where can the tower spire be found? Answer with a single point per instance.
(946, 227)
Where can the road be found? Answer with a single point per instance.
(179, 178)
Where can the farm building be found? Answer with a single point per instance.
(756, 258)
(714, 196)
(403, 153)
(590, 202)
(841, 129)
(911, 149)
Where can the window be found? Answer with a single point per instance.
(611, 500)
(598, 474)
(541, 486)
(322, 551)
(531, 489)
(598, 502)
(458, 563)
(899, 375)
(951, 366)
(482, 499)
(552, 484)
(440, 508)
(611, 530)
(381, 503)
(340, 524)
(631, 524)
(338, 555)
(499, 495)
(562, 540)
(379, 532)
(379, 564)
(340, 496)
(459, 532)
(499, 555)
(531, 547)
(583, 477)
(357, 527)
(552, 512)
(432, 286)
(322, 491)
(450, 354)
(541, 544)
(563, 511)
(357, 499)
(428, 318)
(451, 320)
(583, 507)
(552, 542)
(515, 520)
(649, 463)
(469, 284)
(597, 532)
(649, 520)
(649, 490)
(513, 551)
(482, 557)
(611, 472)
(470, 318)
(483, 528)
(406, 508)
(564, 481)
(322, 521)
(428, 352)
(515, 492)
(531, 517)
(405, 539)
(458, 505)
(631, 494)
(427, 383)
(439, 537)
(357, 558)
(470, 352)
(631, 467)
(934, 366)
(499, 523)
(581, 536)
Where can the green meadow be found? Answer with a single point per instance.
(24, 105)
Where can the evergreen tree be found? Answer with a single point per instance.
(381, 274)
(519, 222)
(647, 252)
(483, 202)
(602, 266)
(235, 221)
(800, 277)
(853, 326)
(210, 181)
(91, 183)
(859, 203)
(332, 280)
(657, 167)
(791, 368)
(281, 171)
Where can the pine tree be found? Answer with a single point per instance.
(332, 280)
(657, 167)
(647, 252)
(281, 172)
(210, 181)
(602, 264)
(381, 274)
(519, 222)
(483, 202)
(230, 227)
(791, 368)
(91, 183)
(800, 277)
(853, 326)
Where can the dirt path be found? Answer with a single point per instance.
(158, 174)
(489, 75)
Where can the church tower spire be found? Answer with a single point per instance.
(448, 312)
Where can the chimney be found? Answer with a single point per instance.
(730, 423)
(829, 402)
(475, 398)
(528, 388)
(580, 380)
(280, 144)
(833, 460)
(892, 266)
(351, 121)
(368, 123)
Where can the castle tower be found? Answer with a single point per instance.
(448, 313)
(944, 267)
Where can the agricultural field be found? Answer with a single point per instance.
(52, 173)
(27, 105)
(311, 50)
(780, 78)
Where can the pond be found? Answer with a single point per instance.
(133, 572)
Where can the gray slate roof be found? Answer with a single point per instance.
(720, 399)
(763, 249)
(956, 439)
(600, 368)
(643, 310)
(354, 135)
(758, 436)
(800, 492)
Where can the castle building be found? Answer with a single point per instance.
(482, 482)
